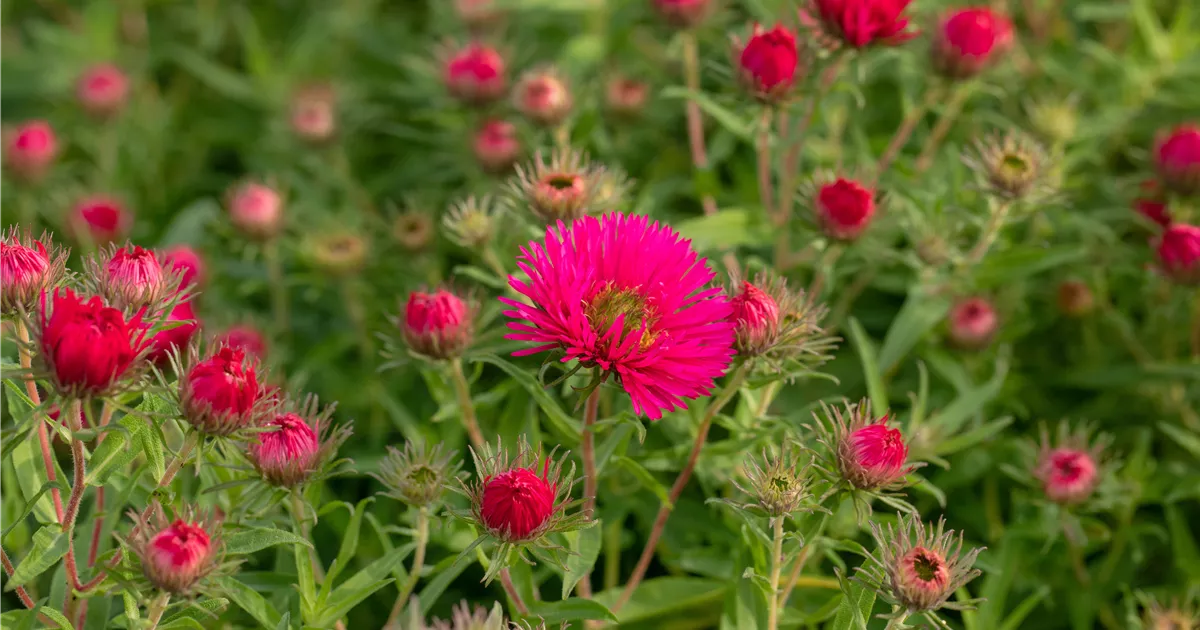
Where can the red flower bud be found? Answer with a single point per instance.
(973, 322)
(99, 220)
(102, 89)
(516, 503)
(87, 347)
(288, 454)
(844, 208)
(756, 316)
(768, 62)
(29, 149)
(244, 337)
(969, 40)
(497, 146)
(873, 456)
(181, 324)
(1068, 475)
(314, 113)
(543, 97)
(1177, 158)
(1075, 299)
(177, 554)
(187, 262)
(684, 13)
(475, 74)
(1152, 204)
(221, 394)
(132, 278)
(256, 209)
(626, 97)
(1179, 253)
(25, 271)
(858, 23)
(438, 324)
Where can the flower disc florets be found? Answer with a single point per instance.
(918, 568)
(177, 554)
(1011, 167)
(565, 188)
(418, 475)
(629, 296)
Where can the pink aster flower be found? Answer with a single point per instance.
(628, 296)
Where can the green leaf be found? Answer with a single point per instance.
(870, 365)
(659, 597)
(375, 571)
(567, 427)
(349, 545)
(723, 230)
(31, 477)
(113, 453)
(49, 544)
(644, 476)
(855, 609)
(572, 609)
(206, 610)
(252, 539)
(1018, 614)
(31, 505)
(1187, 441)
(249, 600)
(970, 402)
(1184, 549)
(585, 548)
(920, 314)
(447, 574)
(222, 80)
(54, 615)
(147, 434)
(346, 599)
(304, 578)
(730, 121)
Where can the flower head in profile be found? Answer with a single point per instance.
(222, 394)
(917, 568)
(29, 150)
(1177, 158)
(472, 222)
(27, 268)
(518, 498)
(565, 188)
(768, 62)
(1179, 253)
(1011, 167)
(176, 554)
(857, 23)
(543, 97)
(418, 475)
(475, 73)
(1070, 466)
(88, 348)
(99, 220)
(867, 454)
(969, 40)
(629, 297)
(438, 324)
(297, 443)
(773, 322)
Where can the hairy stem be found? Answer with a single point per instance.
(765, 194)
(79, 472)
(989, 234)
(156, 609)
(414, 575)
(587, 449)
(896, 622)
(695, 121)
(660, 522)
(511, 589)
(42, 432)
(945, 122)
(190, 442)
(900, 138)
(278, 288)
(21, 592)
(776, 566)
(465, 406)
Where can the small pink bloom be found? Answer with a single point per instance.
(922, 576)
(859, 23)
(1177, 157)
(178, 556)
(256, 209)
(314, 113)
(132, 278)
(102, 89)
(1152, 204)
(756, 316)
(99, 220)
(969, 40)
(768, 62)
(684, 13)
(181, 325)
(516, 503)
(973, 323)
(25, 271)
(288, 453)
(221, 394)
(873, 456)
(1068, 475)
(437, 324)
(187, 262)
(475, 74)
(497, 145)
(1179, 253)
(543, 97)
(246, 338)
(29, 149)
(844, 208)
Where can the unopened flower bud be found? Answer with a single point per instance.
(867, 453)
(29, 149)
(1179, 253)
(102, 89)
(297, 443)
(768, 63)
(543, 97)
(176, 555)
(917, 567)
(416, 475)
(437, 325)
(626, 96)
(180, 326)
(1177, 157)
(1152, 203)
(1012, 167)
(27, 268)
(1069, 466)
(413, 229)
(496, 146)
(684, 13)
(131, 277)
(857, 23)
(972, 323)
(89, 349)
(471, 223)
(779, 485)
(187, 262)
(1075, 298)
(338, 253)
(313, 115)
(756, 315)
(844, 208)
(256, 209)
(464, 617)
(221, 394)
(246, 338)
(99, 220)
(475, 74)
(969, 40)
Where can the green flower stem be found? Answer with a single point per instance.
(765, 194)
(897, 622)
(465, 407)
(990, 232)
(660, 522)
(414, 575)
(518, 603)
(695, 120)
(31, 389)
(798, 566)
(189, 442)
(156, 609)
(277, 286)
(904, 131)
(776, 566)
(587, 449)
(612, 554)
(945, 122)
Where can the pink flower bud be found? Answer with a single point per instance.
(969, 40)
(1075, 298)
(1177, 158)
(102, 89)
(858, 23)
(477, 14)
(756, 315)
(844, 208)
(178, 330)
(1179, 253)
(25, 271)
(684, 13)
(256, 209)
(1068, 475)
(873, 456)
(626, 97)
(286, 455)
(221, 394)
(178, 555)
(99, 220)
(768, 62)
(187, 262)
(543, 97)
(516, 503)
(314, 113)
(88, 348)
(438, 324)
(1152, 204)
(475, 74)
(497, 146)
(973, 323)
(132, 278)
(29, 149)
(246, 338)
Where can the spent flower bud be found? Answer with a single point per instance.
(1011, 167)
(413, 229)
(779, 485)
(917, 568)
(337, 252)
(417, 475)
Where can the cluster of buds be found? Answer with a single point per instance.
(857, 23)
(177, 554)
(1069, 467)
(969, 40)
(917, 568)
(87, 348)
(972, 323)
(866, 453)
(475, 73)
(417, 475)
(768, 62)
(27, 268)
(1177, 158)
(543, 96)
(566, 188)
(102, 89)
(221, 394)
(775, 323)
(29, 150)
(1011, 167)
(471, 223)
(99, 220)
(297, 443)
(439, 325)
(496, 146)
(256, 209)
(843, 207)
(779, 485)
(313, 115)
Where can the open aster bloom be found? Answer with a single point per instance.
(628, 296)
(1070, 466)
